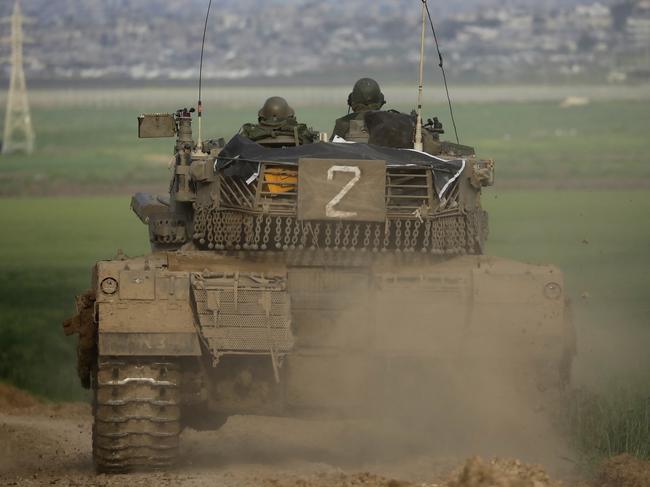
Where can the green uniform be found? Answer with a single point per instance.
(366, 95)
(277, 126)
(351, 127)
(290, 131)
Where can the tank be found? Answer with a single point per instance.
(326, 279)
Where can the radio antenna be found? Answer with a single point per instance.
(442, 68)
(199, 107)
(418, 123)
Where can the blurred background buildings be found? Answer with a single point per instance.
(306, 40)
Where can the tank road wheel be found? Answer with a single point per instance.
(136, 412)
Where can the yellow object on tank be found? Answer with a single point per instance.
(280, 181)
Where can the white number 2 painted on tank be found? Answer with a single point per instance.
(330, 211)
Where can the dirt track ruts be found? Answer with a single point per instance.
(46, 448)
(51, 445)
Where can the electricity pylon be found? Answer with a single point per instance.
(18, 133)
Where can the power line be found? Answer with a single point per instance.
(18, 130)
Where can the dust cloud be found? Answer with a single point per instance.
(420, 390)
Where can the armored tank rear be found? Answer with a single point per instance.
(306, 280)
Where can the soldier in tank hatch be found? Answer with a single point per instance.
(366, 95)
(277, 126)
(368, 123)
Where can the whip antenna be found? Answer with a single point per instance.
(199, 107)
(418, 123)
(442, 68)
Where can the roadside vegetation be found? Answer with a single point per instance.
(607, 425)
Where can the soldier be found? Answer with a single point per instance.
(277, 126)
(366, 95)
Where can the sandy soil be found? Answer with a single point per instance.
(55, 450)
(45, 444)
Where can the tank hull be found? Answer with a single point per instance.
(188, 338)
(288, 335)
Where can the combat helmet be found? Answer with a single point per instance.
(275, 112)
(366, 94)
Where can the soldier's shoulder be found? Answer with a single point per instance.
(251, 128)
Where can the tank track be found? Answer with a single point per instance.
(136, 411)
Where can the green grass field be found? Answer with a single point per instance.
(603, 144)
(50, 244)
(45, 260)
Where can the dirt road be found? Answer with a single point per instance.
(51, 445)
(53, 448)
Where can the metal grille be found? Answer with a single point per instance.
(235, 193)
(247, 340)
(277, 189)
(243, 312)
(409, 191)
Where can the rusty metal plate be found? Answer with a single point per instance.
(341, 189)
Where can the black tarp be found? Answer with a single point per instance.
(241, 157)
(390, 128)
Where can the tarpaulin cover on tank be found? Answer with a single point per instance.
(241, 157)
